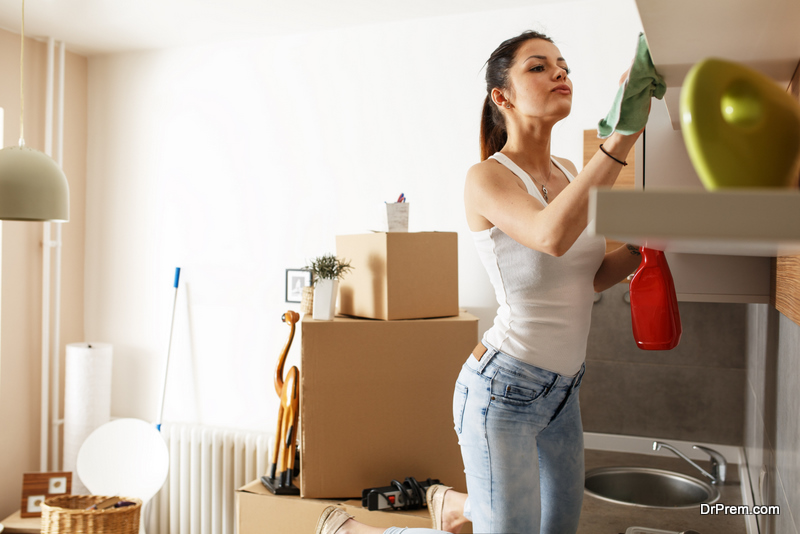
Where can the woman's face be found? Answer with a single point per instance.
(540, 86)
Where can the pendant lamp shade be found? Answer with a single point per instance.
(32, 186)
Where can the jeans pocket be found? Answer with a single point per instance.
(506, 389)
(459, 403)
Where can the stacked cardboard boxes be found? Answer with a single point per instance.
(376, 386)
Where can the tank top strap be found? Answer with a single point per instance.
(562, 168)
(533, 189)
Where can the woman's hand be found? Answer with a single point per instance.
(622, 80)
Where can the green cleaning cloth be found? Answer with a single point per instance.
(631, 106)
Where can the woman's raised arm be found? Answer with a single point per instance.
(492, 198)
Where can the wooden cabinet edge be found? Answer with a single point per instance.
(785, 270)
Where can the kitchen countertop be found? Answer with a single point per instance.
(603, 517)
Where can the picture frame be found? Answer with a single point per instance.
(296, 280)
(38, 487)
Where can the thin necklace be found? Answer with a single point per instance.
(544, 189)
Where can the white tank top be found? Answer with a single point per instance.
(545, 301)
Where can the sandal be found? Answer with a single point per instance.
(435, 498)
(331, 520)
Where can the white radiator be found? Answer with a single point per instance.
(206, 467)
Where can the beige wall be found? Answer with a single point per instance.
(20, 321)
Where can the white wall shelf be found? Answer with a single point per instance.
(742, 222)
(761, 35)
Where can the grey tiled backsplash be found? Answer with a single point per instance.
(693, 392)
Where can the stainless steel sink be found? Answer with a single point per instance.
(653, 488)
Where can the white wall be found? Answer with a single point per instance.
(238, 161)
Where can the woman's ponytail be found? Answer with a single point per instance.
(493, 131)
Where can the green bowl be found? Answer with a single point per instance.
(740, 128)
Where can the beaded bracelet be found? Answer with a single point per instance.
(623, 163)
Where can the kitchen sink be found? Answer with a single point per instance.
(653, 488)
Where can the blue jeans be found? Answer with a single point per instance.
(521, 439)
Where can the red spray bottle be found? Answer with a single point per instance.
(654, 305)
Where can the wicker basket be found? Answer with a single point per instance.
(68, 513)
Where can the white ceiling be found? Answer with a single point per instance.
(105, 26)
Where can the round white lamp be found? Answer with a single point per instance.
(32, 186)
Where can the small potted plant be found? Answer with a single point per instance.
(326, 271)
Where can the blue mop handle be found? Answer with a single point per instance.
(169, 347)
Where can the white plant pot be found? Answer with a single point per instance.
(325, 293)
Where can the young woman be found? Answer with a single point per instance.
(515, 407)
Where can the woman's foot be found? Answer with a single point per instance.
(331, 520)
(446, 508)
(334, 520)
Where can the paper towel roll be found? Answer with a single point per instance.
(87, 399)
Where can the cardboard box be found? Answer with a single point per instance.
(399, 275)
(260, 512)
(376, 402)
(391, 518)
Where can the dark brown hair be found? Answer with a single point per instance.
(493, 125)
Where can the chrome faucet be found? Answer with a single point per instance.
(718, 464)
